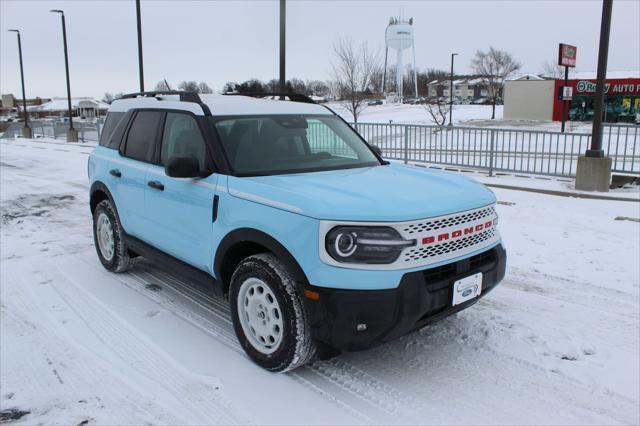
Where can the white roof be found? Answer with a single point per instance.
(521, 77)
(591, 75)
(61, 104)
(223, 105)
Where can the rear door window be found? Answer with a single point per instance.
(142, 136)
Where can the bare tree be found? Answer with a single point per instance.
(229, 87)
(162, 85)
(204, 88)
(553, 70)
(317, 87)
(438, 111)
(107, 98)
(353, 70)
(493, 67)
(189, 86)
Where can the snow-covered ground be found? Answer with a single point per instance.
(556, 343)
(414, 114)
(463, 115)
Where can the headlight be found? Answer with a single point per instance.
(361, 244)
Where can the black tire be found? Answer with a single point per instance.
(296, 346)
(120, 260)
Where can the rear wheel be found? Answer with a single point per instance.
(268, 314)
(108, 238)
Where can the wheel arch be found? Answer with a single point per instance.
(243, 242)
(99, 192)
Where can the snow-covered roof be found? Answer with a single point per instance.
(61, 104)
(520, 77)
(591, 75)
(223, 105)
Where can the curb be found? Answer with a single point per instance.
(563, 193)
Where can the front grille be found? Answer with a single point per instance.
(448, 247)
(450, 221)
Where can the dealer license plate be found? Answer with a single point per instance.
(467, 288)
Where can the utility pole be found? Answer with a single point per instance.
(72, 134)
(26, 130)
(603, 54)
(283, 25)
(140, 65)
(594, 169)
(451, 92)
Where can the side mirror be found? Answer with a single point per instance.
(377, 150)
(182, 167)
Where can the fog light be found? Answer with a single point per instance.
(361, 327)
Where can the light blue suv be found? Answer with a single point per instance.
(318, 243)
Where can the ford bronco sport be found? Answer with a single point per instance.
(281, 207)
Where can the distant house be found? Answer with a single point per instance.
(465, 90)
(12, 106)
(80, 107)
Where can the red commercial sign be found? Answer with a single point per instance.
(567, 55)
(625, 88)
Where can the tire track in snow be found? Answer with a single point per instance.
(341, 383)
(57, 347)
(202, 402)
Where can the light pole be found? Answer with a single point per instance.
(603, 53)
(140, 67)
(451, 92)
(593, 172)
(26, 130)
(283, 42)
(72, 134)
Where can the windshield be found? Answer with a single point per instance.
(279, 144)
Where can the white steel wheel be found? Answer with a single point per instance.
(260, 315)
(104, 234)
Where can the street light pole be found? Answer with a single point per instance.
(140, 65)
(593, 172)
(451, 92)
(26, 130)
(603, 53)
(72, 134)
(283, 42)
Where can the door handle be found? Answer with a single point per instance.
(115, 172)
(156, 185)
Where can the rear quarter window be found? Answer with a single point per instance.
(110, 125)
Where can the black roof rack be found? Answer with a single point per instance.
(184, 97)
(293, 97)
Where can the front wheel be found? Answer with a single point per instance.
(268, 314)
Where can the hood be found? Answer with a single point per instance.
(385, 193)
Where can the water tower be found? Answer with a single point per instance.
(399, 37)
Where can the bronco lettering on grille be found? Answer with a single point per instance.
(445, 236)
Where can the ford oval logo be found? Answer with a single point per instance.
(467, 292)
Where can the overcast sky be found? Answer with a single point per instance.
(220, 41)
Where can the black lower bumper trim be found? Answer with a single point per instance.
(421, 298)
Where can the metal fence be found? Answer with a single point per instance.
(510, 150)
(88, 131)
(493, 149)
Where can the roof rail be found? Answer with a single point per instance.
(293, 97)
(184, 97)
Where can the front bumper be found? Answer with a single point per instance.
(421, 298)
